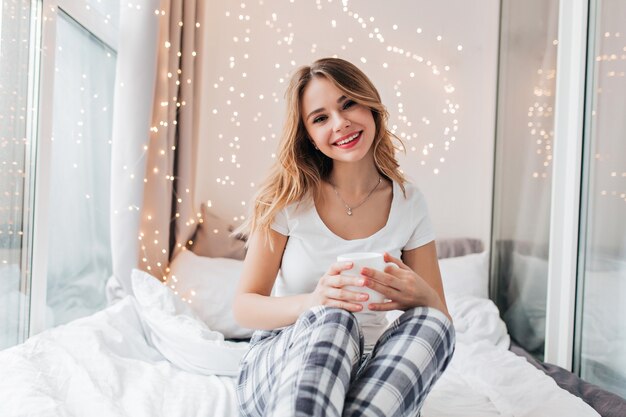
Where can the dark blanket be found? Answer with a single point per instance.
(605, 403)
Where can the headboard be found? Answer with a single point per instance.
(452, 247)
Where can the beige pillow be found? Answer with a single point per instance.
(213, 239)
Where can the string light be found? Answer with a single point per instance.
(409, 66)
(426, 142)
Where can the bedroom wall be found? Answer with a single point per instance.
(434, 64)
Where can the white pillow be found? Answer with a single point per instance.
(178, 334)
(210, 285)
(466, 275)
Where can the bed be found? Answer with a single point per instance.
(172, 350)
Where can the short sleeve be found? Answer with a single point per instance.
(280, 223)
(423, 231)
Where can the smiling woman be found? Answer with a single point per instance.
(336, 139)
(337, 123)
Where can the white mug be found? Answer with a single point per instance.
(372, 260)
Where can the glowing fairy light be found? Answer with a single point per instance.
(406, 63)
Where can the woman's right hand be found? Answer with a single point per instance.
(330, 289)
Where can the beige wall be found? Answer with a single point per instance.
(255, 48)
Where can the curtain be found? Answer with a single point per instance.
(154, 138)
(167, 216)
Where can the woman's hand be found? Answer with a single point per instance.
(330, 292)
(402, 286)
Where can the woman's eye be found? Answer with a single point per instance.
(319, 119)
(348, 103)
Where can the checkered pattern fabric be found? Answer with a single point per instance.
(315, 367)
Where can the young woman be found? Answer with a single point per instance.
(336, 188)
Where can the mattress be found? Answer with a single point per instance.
(106, 365)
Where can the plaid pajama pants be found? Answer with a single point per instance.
(315, 367)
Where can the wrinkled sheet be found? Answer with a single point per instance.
(103, 365)
(485, 379)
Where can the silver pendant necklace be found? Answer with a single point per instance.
(348, 208)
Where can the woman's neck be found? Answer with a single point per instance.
(354, 178)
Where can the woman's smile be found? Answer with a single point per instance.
(349, 141)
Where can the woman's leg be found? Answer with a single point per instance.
(404, 365)
(303, 370)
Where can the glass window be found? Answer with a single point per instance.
(106, 10)
(15, 23)
(523, 170)
(601, 328)
(79, 255)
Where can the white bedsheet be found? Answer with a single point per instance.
(485, 379)
(103, 365)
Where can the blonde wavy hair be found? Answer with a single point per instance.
(300, 169)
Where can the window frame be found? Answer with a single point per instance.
(569, 117)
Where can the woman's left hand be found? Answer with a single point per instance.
(403, 286)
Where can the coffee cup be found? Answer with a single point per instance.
(360, 260)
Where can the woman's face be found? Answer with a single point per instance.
(342, 129)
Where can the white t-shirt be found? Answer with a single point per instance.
(312, 247)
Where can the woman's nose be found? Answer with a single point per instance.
(341, 123)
